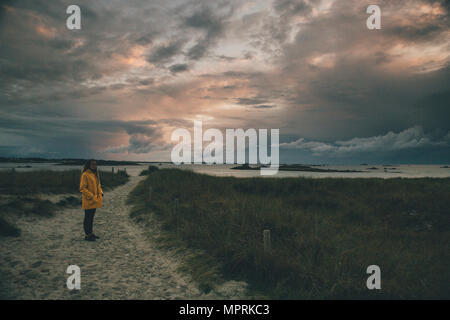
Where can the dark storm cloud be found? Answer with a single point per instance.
(410, 138)
(211, 24)
(425, 26)
(226, 58)
(138, 144)
(412, 145)
(250, 101)
(415, 32)
(234, 74)
(87, 135)
(146, 82)
(276, 29)
(46, 51)
(55, 81)
(310, 68)
(263, 106)
(42, 62)
(30, 124)
(346, 83)
(289, 8)
(164, 53)
(180, 67)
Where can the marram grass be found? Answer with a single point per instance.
(325, 232)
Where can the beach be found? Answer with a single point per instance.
(122, 264)
(181, 234)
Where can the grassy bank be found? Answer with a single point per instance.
(49, 181)
(325, 232)
(18, 191)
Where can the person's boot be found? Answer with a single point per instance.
(89, 237)
(95, 236)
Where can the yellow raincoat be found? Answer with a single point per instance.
(91, 191)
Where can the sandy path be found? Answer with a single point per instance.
(122, 264)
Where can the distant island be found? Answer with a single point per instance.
(80, 162)
(70, 162)
(292, 167)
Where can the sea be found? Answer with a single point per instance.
(366, 171)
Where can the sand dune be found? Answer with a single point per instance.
(123, 264)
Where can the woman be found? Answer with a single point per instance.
(92, 196)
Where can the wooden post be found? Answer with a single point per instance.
(315, 225)
(315, 239)
(176, 214)
(149, 195)
(267, 243)
(125, 171)
(13, 171)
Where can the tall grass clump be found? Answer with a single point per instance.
(325, 232)
(149, 170)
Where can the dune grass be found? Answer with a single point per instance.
(7, 229)
(49, 181)
(20, 188)
(20, 205)
(325, 232)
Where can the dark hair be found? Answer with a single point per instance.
(87, 165)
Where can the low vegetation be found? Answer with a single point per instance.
(50, 181)
(324, 232)
(149, 170)
(20, 191)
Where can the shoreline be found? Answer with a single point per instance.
(310, 171)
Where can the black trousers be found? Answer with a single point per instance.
(88, 220)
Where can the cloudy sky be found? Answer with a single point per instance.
(138, 69)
